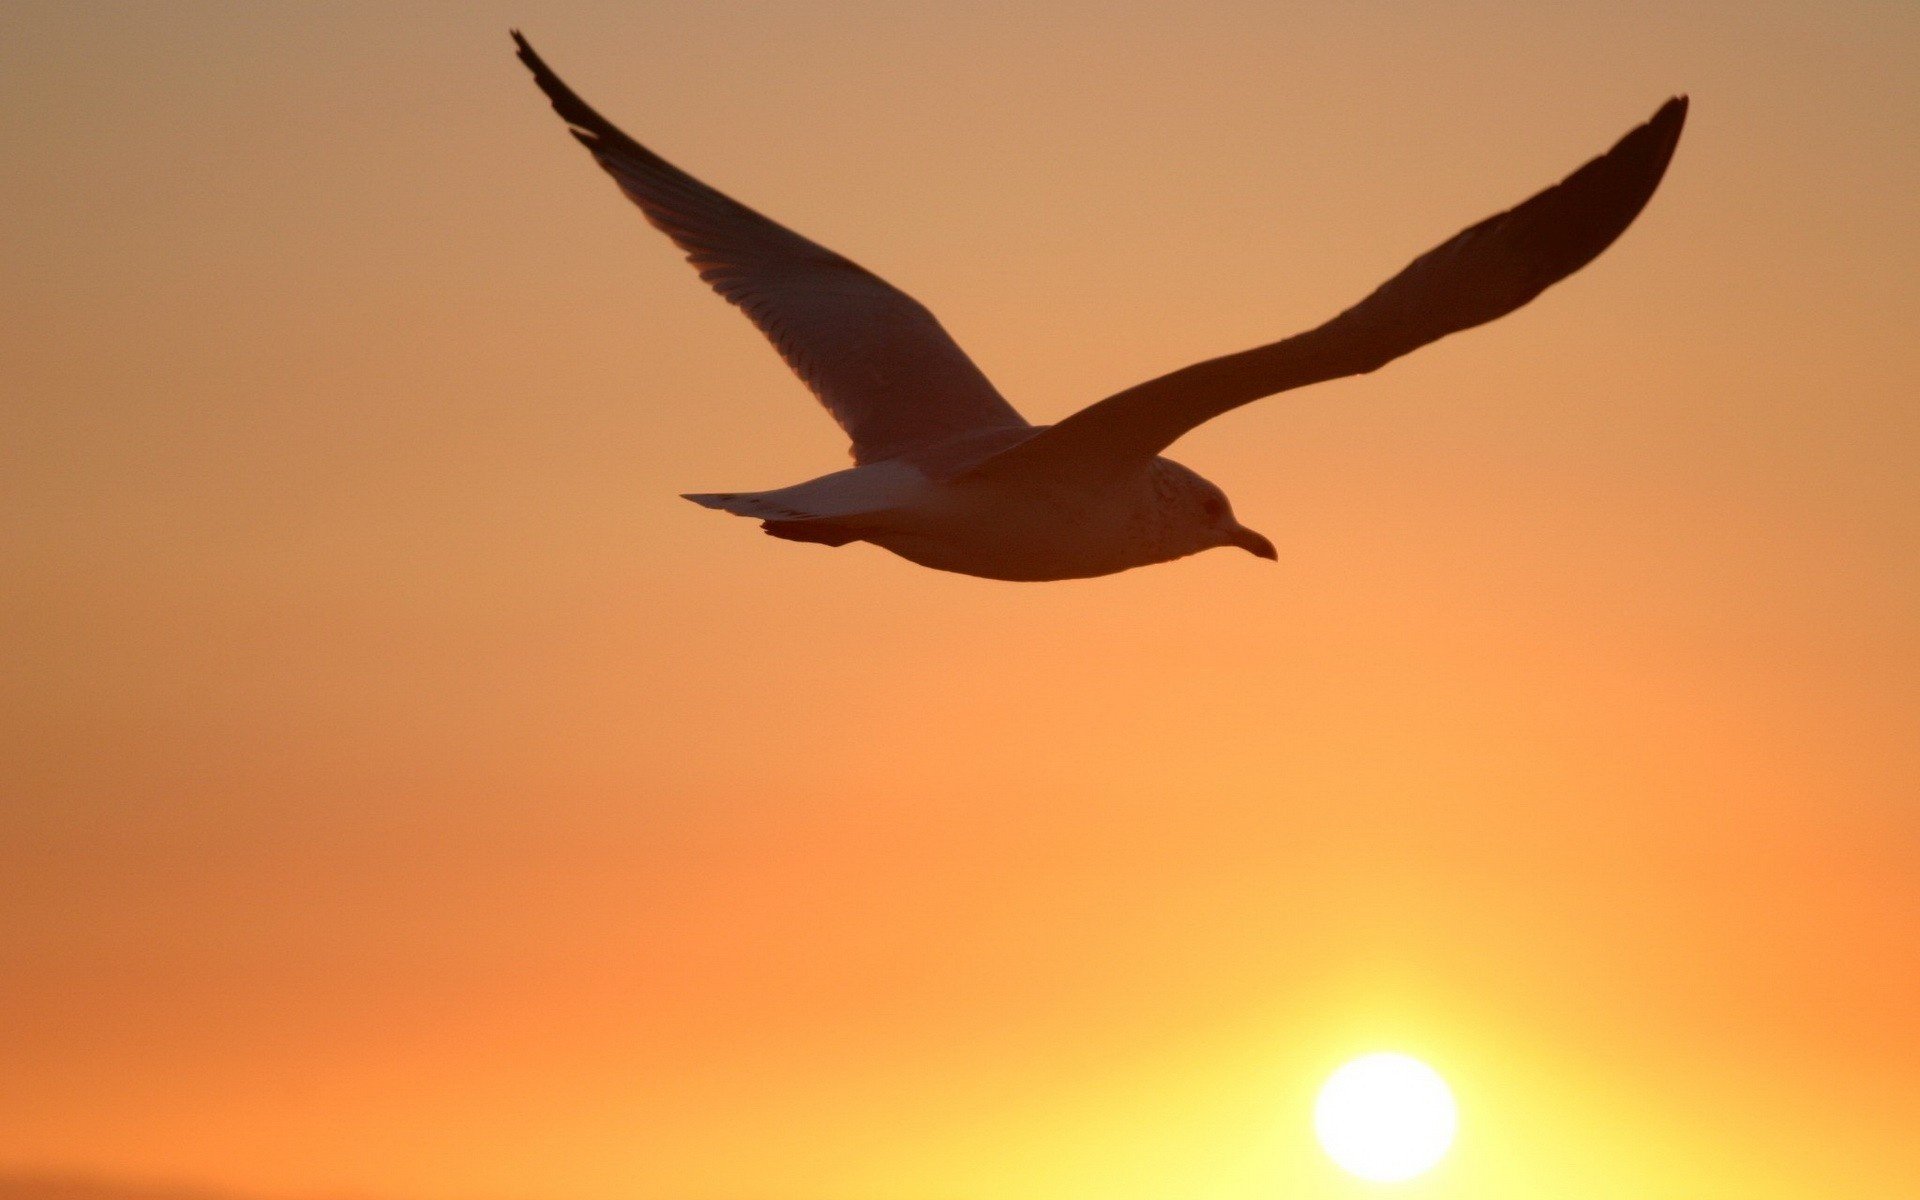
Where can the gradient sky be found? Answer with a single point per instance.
(408, 796)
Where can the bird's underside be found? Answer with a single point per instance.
(947, 474)
(1025, 524)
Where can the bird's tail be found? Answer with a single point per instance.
(750, 504)
(779, 520)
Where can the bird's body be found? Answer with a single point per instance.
(1023, 525)
(948, 475)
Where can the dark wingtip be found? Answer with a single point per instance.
(524, 51)
(1665, 125)
(587, 125)
(1664, 129)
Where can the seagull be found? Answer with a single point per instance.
(948, 475)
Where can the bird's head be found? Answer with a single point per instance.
(1231, 532)
(1209, 515)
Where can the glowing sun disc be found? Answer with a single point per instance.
(1385, 1117)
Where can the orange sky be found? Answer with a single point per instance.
(408, 796)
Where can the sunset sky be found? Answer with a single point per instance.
(404, 795)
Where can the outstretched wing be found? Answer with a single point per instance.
(875, 357)
(1482, 273)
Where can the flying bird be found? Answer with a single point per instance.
(948, 475)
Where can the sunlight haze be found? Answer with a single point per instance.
(405, 795)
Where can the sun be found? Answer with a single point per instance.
(1385, 1117)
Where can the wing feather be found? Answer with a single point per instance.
(1480, 274)
(875, 357)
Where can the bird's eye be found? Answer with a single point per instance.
(1213, 506)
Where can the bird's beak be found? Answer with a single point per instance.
(1253, 543)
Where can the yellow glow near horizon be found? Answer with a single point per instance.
(1385, 1117)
